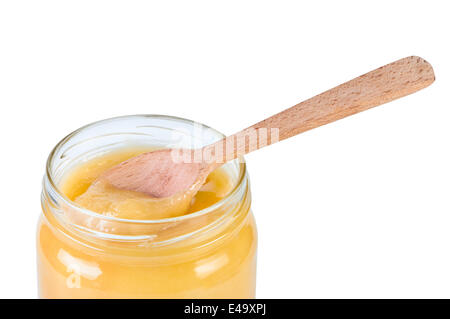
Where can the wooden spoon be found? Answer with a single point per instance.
(161, 174)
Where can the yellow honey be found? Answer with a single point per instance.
(114, 247)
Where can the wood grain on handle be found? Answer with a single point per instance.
(377, 87)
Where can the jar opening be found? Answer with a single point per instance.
(106, 135)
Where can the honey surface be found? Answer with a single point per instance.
(80, 185)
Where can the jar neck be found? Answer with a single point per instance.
(213, 223)
(208, 225)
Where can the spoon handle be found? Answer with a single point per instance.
(377, 87)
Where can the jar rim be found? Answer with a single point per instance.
(71, 204)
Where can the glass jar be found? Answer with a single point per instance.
(81, 254)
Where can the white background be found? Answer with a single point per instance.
(359, 208)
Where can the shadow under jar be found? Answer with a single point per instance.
(210, 253)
